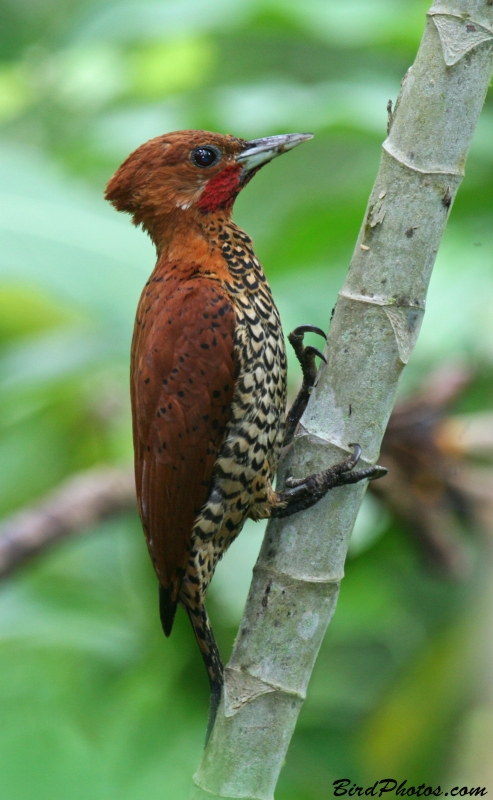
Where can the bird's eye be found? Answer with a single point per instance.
(205, 156)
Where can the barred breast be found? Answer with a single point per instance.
(247, 462)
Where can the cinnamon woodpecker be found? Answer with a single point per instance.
(208, 369)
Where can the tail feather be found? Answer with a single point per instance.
(167, 609)
(206, 642)
(212, 659)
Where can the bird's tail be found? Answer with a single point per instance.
(167, 609)
(212, 659)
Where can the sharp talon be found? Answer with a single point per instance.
(356, 451)
(301, 329)
(316, 352)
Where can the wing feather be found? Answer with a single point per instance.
(182, 380)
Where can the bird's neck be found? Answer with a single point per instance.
(194, 240)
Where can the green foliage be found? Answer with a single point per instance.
(95, 704)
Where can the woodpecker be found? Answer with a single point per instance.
(208, 370)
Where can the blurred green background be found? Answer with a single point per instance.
(94, 703)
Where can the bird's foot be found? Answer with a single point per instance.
(306, 355)
(301, 493)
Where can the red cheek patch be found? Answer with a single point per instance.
(221, 191)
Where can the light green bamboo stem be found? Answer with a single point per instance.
(372, 334)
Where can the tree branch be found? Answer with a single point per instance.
(373, 332)
(72, 508)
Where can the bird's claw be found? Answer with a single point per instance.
(302, 329)
(347, 474)
(302, 493)
(314, 351)
(306, 355)
(357, 450)
(338, 469)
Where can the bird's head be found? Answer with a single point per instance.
(190, 172)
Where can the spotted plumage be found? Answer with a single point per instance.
(229, 439)
(247, 461)
(208, 374)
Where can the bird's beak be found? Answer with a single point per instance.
(259, 151)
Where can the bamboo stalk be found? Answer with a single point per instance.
(372, 334)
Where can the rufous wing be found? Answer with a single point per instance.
(182, 381)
